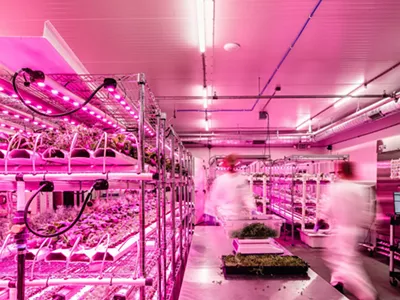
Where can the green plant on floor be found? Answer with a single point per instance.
(262, 260)
(254, 231)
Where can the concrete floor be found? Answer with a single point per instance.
(377, 268)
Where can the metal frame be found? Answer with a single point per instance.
(148, 114)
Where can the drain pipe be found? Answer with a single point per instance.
(273, 74)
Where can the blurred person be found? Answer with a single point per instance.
(230, 195)
(346, 210)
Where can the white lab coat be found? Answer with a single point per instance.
(230, 197)
(346, 210)
(200, 187)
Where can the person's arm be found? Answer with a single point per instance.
(247, 196)
(214, 195)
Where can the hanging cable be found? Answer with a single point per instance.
(47, 186)
(38, 76)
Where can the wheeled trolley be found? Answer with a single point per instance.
(393, 248)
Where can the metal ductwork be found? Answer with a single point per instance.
(373, 112)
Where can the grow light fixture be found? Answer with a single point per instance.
(66, 98)
(201, 27)
(205, 100)
(41, 84)
(207, 128)
(355, 92)
(304, 123)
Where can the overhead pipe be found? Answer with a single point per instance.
(241, 132)
(273, 96)
(273, 74)
(246, 135)
(349, 94)
(385, 107)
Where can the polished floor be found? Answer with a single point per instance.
(377, 268)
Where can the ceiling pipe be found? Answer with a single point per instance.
(237, 134)
(383, 107)
(246, 138)
(363, 84)
(273, 96)
(273, 74)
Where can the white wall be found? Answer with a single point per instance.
(276, 153)
(362, 150)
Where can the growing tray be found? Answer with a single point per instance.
(264, 270)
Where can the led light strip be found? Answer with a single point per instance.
(122, 101)
(92, 111)
(37, 106)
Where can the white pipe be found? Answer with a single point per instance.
(20, 195)
(385, 106)
(81, 282)
(79, 177)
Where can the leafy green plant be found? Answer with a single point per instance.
(254, 231)
(262, 260)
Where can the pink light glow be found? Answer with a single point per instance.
(76, 104)
(136, 117)
(21, 130)
(35, 123)
(73, 122)
(98, 117)
(1, 89)
(3, 125)
(16, 116)
(26, 119)
(117, 96)
(28, 133)
(39, 106)
(12, 127)
(41, 84)
(92, 113)
(127, 107)
(132, 112)
(5, 112)
(123, 102)
(66, 98)
(115, 125)
(65, 119)
(50, 128)
(43, 125)
(104, 120)
(109, 123)
(84, 108)
(14, 95)
(49, 111)
(110, 89)
(28, 101)
(54, 92)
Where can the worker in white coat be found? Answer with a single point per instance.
(230, 196)
(347, 211)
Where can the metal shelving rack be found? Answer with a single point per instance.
(172, 234)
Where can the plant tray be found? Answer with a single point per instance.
(264, 270)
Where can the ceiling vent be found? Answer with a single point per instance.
(376, 115)
(303, 146)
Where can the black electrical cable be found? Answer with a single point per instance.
(14, 83)
(28, 204)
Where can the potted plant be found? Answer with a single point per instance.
(254, 231)
(263, 265)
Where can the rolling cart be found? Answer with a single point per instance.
(394, 275)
